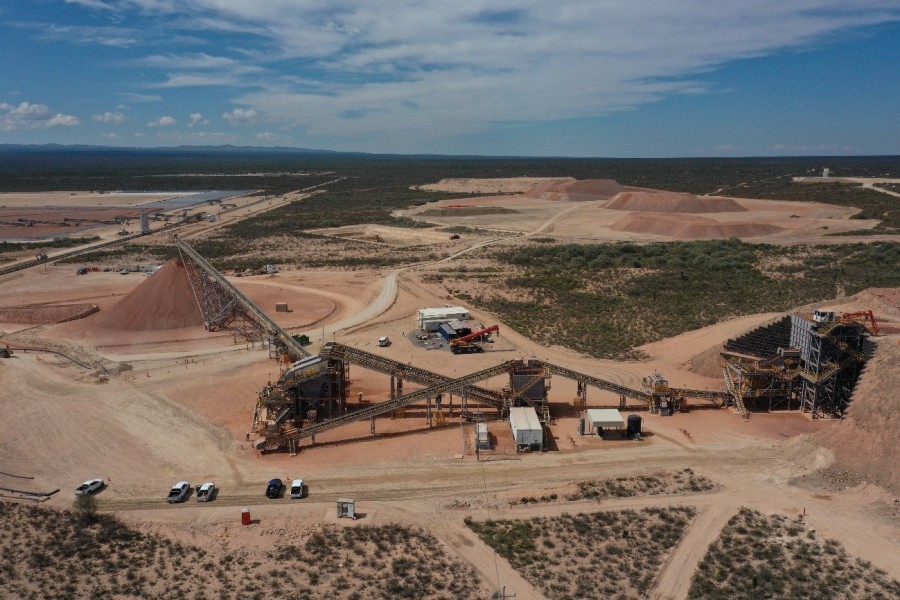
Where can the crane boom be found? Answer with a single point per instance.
(477, 334)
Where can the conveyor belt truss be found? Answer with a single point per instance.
(292, 436)
(223, 305)
(375, 362)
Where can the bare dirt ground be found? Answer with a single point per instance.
(638, 214)
(502, 185)
(183, 409)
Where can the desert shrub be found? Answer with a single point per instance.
(759, 556)
(619, 539)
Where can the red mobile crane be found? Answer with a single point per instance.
(865, 315)
(462, 345)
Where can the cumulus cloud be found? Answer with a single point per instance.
(32, 116)
(115, 118)
(241, 116)
(197, 119)
(267, 136)
(164, 121)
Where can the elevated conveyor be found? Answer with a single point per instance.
(219, 301)
(592, 381)
(292, 436)
(375, 362)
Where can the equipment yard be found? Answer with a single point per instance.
(354, 384)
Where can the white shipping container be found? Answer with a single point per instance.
(526, 427)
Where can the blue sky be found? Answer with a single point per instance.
(526, 77)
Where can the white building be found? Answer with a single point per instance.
(430, 319)
(603, 419)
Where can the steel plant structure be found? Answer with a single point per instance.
(310, 396)
(807, 362)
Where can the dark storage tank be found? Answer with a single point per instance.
(634, 425)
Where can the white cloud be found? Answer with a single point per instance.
(267, 136)
(197, 119)
(59, 120)
(438, 68)
(116, 118)
(32, 116)
(84, 34)
(189, 61)
(134, 97)
(164, 121)
(178, 80)
(241, 116)
(98, 4)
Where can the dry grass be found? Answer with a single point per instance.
(773, 557)
(615, 554)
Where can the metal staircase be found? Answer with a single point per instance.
(735, 392)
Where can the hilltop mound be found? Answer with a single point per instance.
(690, 227)
(671, 202)
(866, 441)
(164, 301)
(584, 190)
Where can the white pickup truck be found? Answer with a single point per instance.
(179, 492)
(206, 491)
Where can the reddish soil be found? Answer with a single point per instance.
(671, 202)
(576, 191)
(54, 215)
(164, 301)
(690, 227)
(43, 315)
(865, 443)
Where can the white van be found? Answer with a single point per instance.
(384, 341)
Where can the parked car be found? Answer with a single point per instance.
(91, 486)
(273, 490)
(384, 341)
(297, 489)
(206, 492)
(179, 492)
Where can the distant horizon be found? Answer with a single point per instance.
(644, 79)
(325, 151)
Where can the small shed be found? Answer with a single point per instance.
(601, 419)
(482, 437)
(346, 507)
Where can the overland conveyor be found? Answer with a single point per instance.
(719, 398)
(375, 362)
(269, 326)
(293, 436)
(593, 381)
